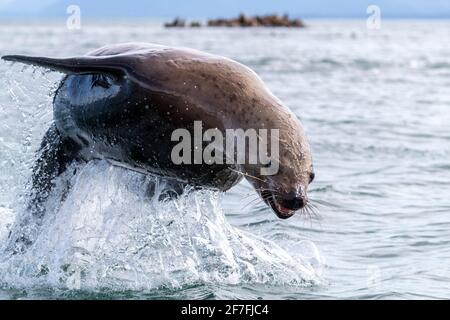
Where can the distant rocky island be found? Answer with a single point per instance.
(242, 20)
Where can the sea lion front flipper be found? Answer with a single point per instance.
(55, 154)
(75, 65)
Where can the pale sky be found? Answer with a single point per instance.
(216, 8)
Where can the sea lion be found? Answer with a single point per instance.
(123, 102)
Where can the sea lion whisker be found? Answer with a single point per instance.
(317, 216)
(253, 203)
(256, 201)
(248, 175)
(302, 212)
(254, 197)
(315, 213)
(307, 213)
(314, 209)
(273, 191)
(316, 203)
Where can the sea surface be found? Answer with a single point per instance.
(376, 108)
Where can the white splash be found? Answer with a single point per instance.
(108, 233)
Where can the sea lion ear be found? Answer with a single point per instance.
(77, 65)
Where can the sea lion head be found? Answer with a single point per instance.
(283, 182)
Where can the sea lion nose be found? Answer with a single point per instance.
(293, 201)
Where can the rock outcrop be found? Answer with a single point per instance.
(257, 21)
(177, 22)
(242, 20)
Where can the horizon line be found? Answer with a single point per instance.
(302, 17)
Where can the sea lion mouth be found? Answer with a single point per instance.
(281, 211)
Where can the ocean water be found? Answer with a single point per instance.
(375, 105)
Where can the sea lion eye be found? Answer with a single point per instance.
(312, 175)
